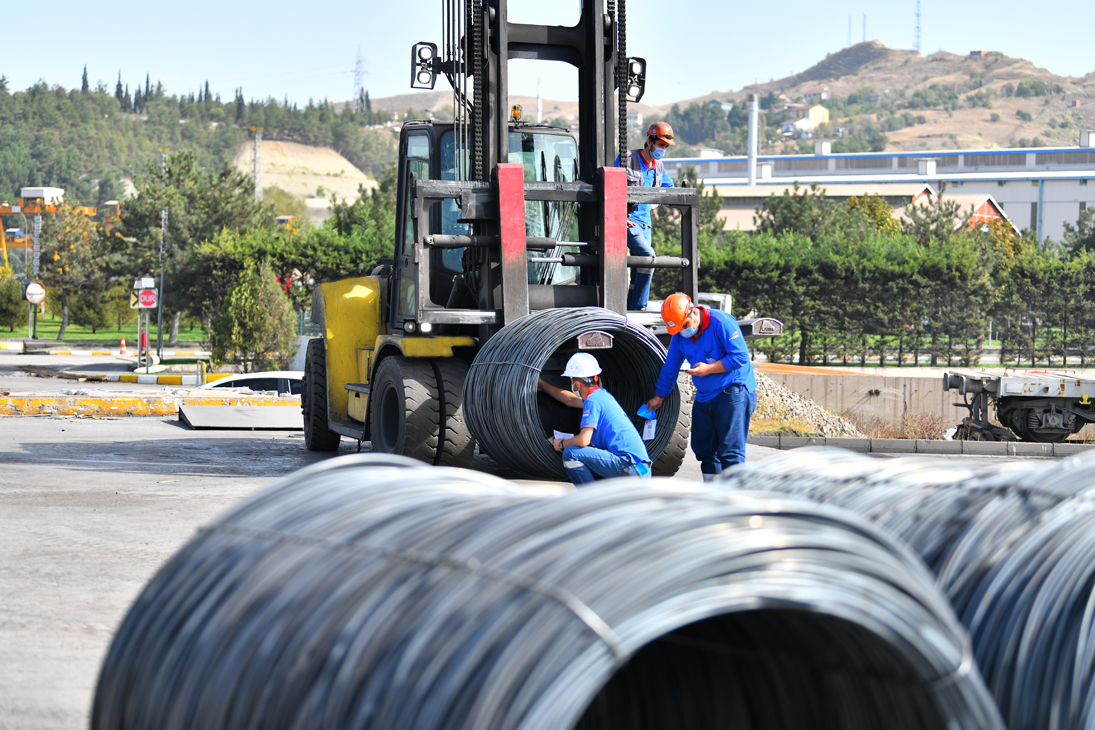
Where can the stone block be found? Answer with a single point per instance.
(849, 443)
(985, 448)
(938, 446)
(1024, 448)
(1070, 449)
(771, 442)
(796, 442)
(893, 446)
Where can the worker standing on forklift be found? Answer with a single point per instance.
(607, 444)
(644, 168)
(726, 386)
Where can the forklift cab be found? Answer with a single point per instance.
(427, 152)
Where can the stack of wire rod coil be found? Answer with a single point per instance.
(1012, 547)
(377, 592)
(500, 390)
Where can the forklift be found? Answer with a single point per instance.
(497, 217)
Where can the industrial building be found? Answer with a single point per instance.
(1040, 189)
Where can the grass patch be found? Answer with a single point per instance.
(911, 425)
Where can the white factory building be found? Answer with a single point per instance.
(1041, 188)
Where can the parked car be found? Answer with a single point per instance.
(281, 382)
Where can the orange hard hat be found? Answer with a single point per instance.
(661, 131)
(675, 311)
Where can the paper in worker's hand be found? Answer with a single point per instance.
(650, 429)
(561, 435)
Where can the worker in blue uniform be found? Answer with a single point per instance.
(726, 386)
(645, 169)
(607, 444)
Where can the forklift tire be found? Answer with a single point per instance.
(669, 462)
(457, 445)
(313, 400)
(404, 409)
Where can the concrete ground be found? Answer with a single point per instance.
(90, 509)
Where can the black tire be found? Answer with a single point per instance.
(313, 400)
(404, 409)
(670, 460)
(457, 445)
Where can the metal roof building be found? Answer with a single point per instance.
(1040, 188)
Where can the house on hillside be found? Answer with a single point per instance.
(816, 113)
(725, 106)
(816, 95)
(798, 128)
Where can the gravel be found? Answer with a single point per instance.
(777, 403)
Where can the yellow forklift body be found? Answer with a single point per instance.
(351, 315)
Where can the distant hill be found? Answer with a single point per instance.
(959, 96)
(899, 74)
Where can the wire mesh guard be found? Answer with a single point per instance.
(376, 592)
(1012, 547)
(500, 397)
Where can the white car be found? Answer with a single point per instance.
(274, 382)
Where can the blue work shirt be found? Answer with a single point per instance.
(719, 339)
(642, 212)
(612, 429)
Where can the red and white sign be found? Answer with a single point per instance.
(36, 293)
(147, 299)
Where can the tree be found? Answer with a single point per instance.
(71, 256)
(200, 204)
(255, 328)
(1081, 237)
(84, 86)
(666, 230)
(118, 306)
(13, 308)
(90, 309)
(938, 219)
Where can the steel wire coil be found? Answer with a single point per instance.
(1013, 548)
(500, 404)
(376, 592)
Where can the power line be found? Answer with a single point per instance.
(916, 41)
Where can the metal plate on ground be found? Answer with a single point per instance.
(278, 418)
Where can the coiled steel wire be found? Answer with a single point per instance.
(500, 391)
(1013, 548)
(373, 591)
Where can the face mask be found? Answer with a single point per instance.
(657, 153)
(689, 331)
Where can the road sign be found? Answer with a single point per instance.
(147, 299)
(133, 300)
(36, 293)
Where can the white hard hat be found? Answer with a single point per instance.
(582, 365)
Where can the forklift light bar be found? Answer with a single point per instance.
(635, 83)
(423, 73)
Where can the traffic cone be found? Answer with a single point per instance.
(123, 347)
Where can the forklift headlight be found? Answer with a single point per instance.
(425, 328)
(409, 326)
(635, 83)
(423, 73)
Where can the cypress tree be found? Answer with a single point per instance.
(84, 88)
(118, 93)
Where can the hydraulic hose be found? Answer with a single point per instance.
(377, 592)
(1012, 547)
(500, 393)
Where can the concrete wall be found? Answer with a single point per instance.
(887, 397)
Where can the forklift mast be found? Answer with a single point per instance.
(498, 217)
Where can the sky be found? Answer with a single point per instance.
(692, 47)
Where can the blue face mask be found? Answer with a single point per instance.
(657, 152)
(689, 331)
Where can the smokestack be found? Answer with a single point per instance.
(754, 112)
(539, 103)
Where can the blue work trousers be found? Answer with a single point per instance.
(585, 463)
(638, 244)
(720, 427)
